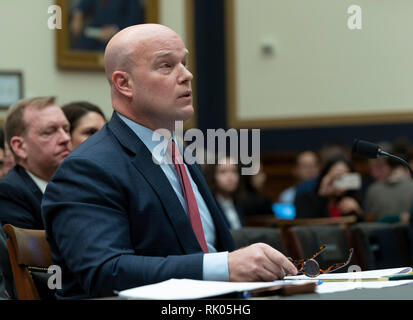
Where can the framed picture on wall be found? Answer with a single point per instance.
(87, 26)
(11, 88)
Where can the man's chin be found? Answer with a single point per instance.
(62, 155)
(188, 113)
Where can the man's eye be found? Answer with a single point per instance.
(165, 65)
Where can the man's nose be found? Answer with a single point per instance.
(185, 75)
(64, 136)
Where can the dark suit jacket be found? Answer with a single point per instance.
(114, 222)
(20, 200)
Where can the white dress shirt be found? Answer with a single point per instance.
(39, 182)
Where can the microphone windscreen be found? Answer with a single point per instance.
(365, 149)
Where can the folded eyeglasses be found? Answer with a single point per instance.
(311, 268)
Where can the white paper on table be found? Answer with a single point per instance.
(330, 287)
(372, 274)
(183, 289)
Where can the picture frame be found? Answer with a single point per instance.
(11, 88)
(70, 58)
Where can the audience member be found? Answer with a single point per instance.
(253, 200)
(307, 167)
(332, 149)
(327, 200)
(7, 289)
(85, 120)
(379, 168)
(4, 156)
(328, 151)
(116, 215)
(391, 199)
(37, 132)
(224, 182)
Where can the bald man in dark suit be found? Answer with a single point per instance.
(116, 215)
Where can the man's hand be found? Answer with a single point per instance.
(258, 262)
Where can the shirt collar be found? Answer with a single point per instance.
(154, 141)
(39, 182)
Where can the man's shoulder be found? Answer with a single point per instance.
(101, 154)
(386, 189)
(101, 145)
(406, 186)
(14, 178)
(17, 186)
(378, 187)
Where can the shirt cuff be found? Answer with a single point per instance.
(215, 267)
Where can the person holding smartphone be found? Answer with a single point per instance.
(337, 192)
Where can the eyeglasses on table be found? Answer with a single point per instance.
(311, 268)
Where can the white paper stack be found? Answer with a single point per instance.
(185, 289)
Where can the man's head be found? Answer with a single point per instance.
(150, 83)
(307, 165)
(6, 157)
(37, 132)
(379, 169)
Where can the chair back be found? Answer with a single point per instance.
(378, 246)
(404, 235)
(248, 235)
(29, 254)
(307, 239)
(292, 245)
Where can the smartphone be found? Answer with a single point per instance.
(283, 210)
(350, 181)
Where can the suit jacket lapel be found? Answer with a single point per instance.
(37, 194)
(28, 181)
(154, 175)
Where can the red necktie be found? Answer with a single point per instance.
(190, 200)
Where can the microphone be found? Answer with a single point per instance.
(372, 151)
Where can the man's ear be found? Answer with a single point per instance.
(19, 146)
(122, 82)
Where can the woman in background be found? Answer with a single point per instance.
(327, 200)
(224, 182)
(253, 200)
(85, 120)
